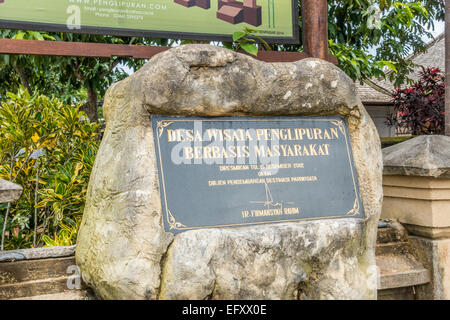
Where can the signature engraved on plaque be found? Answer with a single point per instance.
(269, 203)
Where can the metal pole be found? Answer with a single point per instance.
(315, 28)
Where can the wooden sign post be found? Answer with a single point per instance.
(315, 28)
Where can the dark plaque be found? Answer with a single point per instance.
(237, 171)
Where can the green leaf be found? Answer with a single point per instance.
(238, 35)
(250, 48)
(19, 36)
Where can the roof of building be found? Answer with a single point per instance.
(434, 56)
(369, 95)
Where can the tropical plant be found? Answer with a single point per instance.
(358, 64)
(392, 30)
(68, 78)
(420, 108)
(247, 41)
(49, 149)
(66, 236)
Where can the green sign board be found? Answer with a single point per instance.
(275, 21)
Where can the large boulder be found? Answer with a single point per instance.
(122, 249)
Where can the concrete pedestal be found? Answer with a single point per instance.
(416, 185)
(9, 192)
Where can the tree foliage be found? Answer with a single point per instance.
(72, 79)
(366, 45)
(48, 148)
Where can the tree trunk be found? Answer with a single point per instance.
(447, 67)
(23, 78)
(91, 106)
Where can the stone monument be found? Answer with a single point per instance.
(158, 225)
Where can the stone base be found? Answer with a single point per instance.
(428, 232)
(435, 256)
(416, 185)
(421, 201)
(40, 274)
(269, 263)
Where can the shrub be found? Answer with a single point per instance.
(420, 109)
(49, 149)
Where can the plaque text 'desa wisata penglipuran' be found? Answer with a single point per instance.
(237, 171)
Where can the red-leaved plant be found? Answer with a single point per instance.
(420, 109)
